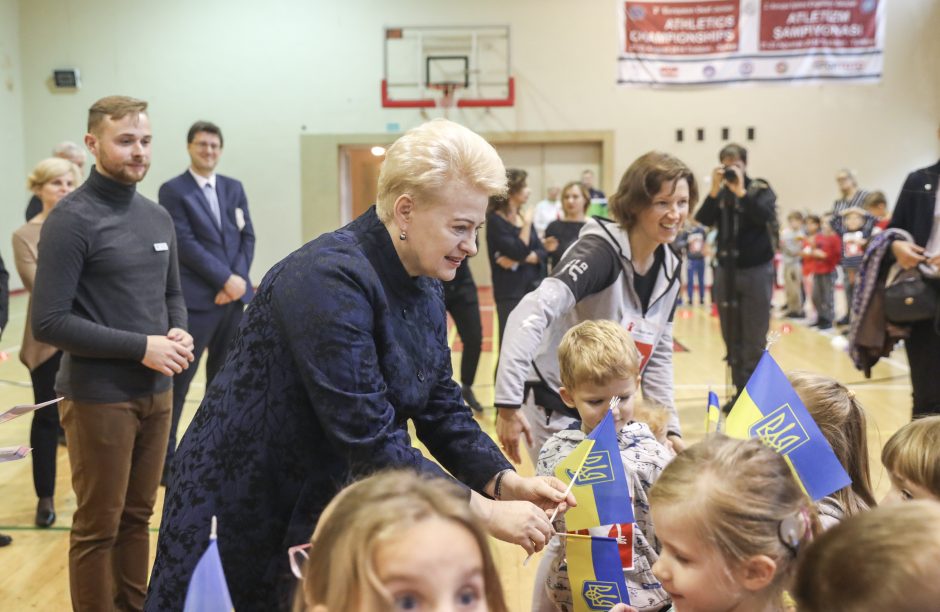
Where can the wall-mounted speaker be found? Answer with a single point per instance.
(66, 78)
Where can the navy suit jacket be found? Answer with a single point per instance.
(208, 256)
(914, 209)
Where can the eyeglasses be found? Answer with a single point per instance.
(297, 555)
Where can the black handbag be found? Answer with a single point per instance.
(911, 298)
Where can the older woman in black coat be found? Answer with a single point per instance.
(343, 344)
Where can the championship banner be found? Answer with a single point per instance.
(694, 42)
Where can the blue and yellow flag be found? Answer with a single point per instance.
(601, 488)
(770, 409)
(595, 573)
(712, 413)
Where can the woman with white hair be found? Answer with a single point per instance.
(343, 344)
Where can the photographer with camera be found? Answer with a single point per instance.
(744, 210)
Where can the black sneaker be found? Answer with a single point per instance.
(795, 315)
(467, 392)
(5, 540)
(843, 321)
(824, 324)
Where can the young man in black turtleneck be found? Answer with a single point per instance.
(107, 293)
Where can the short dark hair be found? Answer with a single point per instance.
(643, 180)
(733, 150)
(813, 219)
(204, 126)
(515, 182)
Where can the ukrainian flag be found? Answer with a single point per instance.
(601, 487)
(769, 409)
(712, 413)
(595, 573)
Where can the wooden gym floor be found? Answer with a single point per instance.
(34, 569)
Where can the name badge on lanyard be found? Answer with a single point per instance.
(160, 246)
(644, 334)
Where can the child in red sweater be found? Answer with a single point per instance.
(821, 253)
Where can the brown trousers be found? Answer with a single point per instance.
(116, 452)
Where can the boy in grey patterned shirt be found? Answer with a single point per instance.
(599, 361)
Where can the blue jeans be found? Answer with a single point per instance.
(696, 268)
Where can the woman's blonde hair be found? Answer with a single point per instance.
(885, 559)
(581, 188)
(596, 352)
(738, 495)
(433, 154)
(913, 453)
(340, 573)
(50, 168)
(643, 180)
(841, 419)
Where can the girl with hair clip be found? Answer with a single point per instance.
(398, 541)
(732, 521)
(886, 559)
(841, 419)
(912, 459)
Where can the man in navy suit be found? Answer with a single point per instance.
(216, 245)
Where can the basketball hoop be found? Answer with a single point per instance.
(447, 99)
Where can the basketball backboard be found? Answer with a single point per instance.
(447, 66)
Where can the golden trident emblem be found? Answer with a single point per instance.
(780, 430)
(600, 595)
(596, 469)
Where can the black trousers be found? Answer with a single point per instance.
(503, 309)
(44, 431)
(745, 332)
(463, 304)
(213, 330)
(923, 355)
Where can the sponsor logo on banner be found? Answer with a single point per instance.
(780, 430)
(781, 67)
(600, 595)
(669, 71)
(708, 71)
(746, 68)
(824, 65)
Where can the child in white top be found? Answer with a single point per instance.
(598, 361)
(841, 419)
(732, 521)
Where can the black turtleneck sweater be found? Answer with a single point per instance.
(107, 277)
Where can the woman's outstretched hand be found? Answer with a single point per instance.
(517, 522)
(546, 492)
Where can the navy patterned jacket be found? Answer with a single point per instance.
(337, 351)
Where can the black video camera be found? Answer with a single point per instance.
(729, 174)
